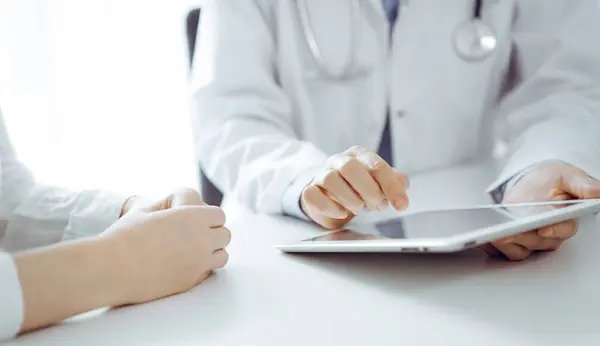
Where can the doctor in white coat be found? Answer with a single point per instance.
(303, 106)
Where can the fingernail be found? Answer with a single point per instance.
(548, 232)
(400, 203)
(384, 204)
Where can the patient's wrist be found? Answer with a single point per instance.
(112, 264)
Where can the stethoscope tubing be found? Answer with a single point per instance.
(475, 25)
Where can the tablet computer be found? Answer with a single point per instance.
(445, 230)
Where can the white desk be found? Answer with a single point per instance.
(264, 297)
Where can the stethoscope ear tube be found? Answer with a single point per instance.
(473, 40)
(315, 49)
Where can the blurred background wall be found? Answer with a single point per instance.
(94, 92)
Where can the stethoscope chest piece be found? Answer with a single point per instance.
(474, 40)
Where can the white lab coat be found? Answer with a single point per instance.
(264, 124)
(32, 215)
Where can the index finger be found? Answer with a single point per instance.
(391, 183)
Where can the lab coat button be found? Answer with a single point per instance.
(400, 114)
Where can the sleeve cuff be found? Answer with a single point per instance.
(497, 193)
(11, 298)
(290, 204)
(94, 213)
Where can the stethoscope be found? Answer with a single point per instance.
(317, 54)
(473, 40)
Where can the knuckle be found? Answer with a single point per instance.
(350, 165)
(330, 179)
(312, 199)
(310, 194)
(376, 164)
(334, 161)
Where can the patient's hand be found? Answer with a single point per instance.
(167, 247)
(183, 196)
(546, 182)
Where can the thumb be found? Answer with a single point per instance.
(184, 197)
(581, 186)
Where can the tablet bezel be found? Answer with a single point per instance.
(447, 244)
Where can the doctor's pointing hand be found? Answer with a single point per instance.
(283, 89)
(351, 182)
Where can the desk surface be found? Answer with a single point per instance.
(264, 297)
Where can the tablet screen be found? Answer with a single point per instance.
(436, 224)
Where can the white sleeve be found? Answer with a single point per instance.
(42, 215)
(243, 120)
(553, 111)
(11, 298)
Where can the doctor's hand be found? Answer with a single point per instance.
(546, 182)
(167, 247)
(351, 182)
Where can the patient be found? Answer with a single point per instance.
(111, 251)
